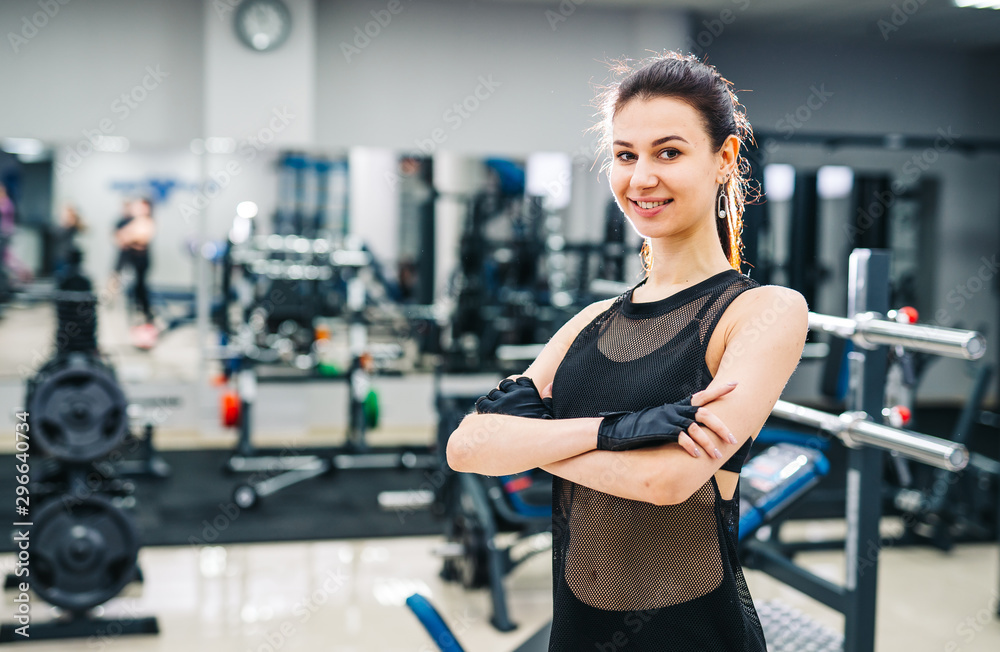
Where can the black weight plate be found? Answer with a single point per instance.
(472, 567)
(78, 413)
(83, 553)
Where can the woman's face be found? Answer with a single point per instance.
(140, 208)
(664, 173)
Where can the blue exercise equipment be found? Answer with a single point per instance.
(773, 480)
(433, 623)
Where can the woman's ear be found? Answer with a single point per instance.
(729, 155)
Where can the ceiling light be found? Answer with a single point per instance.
(978, 4)
(26, 146)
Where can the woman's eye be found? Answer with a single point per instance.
(624, 156)
(673, 153)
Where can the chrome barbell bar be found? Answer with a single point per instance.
(855, 429)
(869, 330)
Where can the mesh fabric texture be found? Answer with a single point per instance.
(630, 575)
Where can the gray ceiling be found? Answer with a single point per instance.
(934, 23)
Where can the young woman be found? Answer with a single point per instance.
(134, 235)
(652, 399)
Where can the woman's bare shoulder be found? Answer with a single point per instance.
(764, 305)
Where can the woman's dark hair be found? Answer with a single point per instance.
(673, 74)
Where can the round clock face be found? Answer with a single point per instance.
(262, 25)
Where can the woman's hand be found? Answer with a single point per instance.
(698, 435)
(664, 424)
(515, 396)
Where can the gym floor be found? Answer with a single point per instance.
(348, 595)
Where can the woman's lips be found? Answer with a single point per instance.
(649, 212)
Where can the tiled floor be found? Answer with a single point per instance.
(347, 596)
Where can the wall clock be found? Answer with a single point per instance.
(262, 25)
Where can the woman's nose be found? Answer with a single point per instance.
(643, 175)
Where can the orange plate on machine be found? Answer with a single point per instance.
(230, 409)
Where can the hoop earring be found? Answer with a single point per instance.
(646, 256)
(721, 203)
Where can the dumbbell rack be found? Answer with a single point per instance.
(279, 470)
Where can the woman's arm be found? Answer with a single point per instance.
(761, 356)
(498, 444)
(494, 444)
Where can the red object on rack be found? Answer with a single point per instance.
(230, 409)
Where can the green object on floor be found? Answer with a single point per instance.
(370, 407)
(327, 369)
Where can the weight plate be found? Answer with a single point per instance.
(472, 567)
(83, 553)
(78, 413)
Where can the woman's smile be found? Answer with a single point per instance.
(648, 207)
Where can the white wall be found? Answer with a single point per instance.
(374, 203)
(432, 55)
(70, 75)
(246, 90)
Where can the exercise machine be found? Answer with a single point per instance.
(866, 439)
(286, 282)
(83, 543)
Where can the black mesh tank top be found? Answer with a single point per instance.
(630, 575)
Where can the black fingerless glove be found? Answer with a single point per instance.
(663, 424)
(519, 398)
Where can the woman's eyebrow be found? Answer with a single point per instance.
(658, 141)
(666, 139)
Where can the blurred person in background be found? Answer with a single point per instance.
(133, 236)
(10, 261)
(64, 238)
